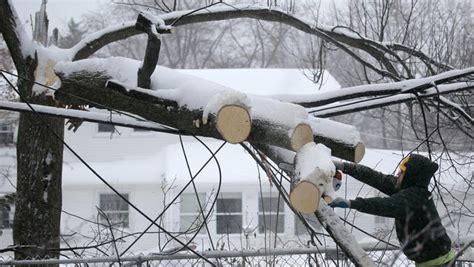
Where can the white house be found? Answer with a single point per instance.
(150, 169)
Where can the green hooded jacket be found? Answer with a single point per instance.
(417, 222)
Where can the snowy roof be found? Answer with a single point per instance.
(125, 172)
(237, 166)
(267, 81)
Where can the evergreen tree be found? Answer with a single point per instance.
(74, 35)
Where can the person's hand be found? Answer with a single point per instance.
(337, 179)
(340, 203)
(339, 165)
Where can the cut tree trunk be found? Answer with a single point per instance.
(305, 197)
(83, 88)
(234, 123)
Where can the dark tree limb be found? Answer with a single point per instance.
(163, 111)
(92, 86)
(384, 101)
(335, 35)
(10, 30)
(407, 86)
(152, 51)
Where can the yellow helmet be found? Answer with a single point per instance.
(403, 164)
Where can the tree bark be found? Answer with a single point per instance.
(82, 85)
(37, 219)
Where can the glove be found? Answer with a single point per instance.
(340, 203)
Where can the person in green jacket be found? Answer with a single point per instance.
(422, 237)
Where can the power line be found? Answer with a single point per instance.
(100, 177)
(181, 191)
(91, 102)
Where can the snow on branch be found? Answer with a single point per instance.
(179, 100)
(90, 116)
(18, 41)
(326, 216)
(342, 108)
(331, 222)
(448, 103)
(337, 35)
(407, 86)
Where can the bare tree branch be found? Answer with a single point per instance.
(338, 36)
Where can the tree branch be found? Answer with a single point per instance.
(413, 85)
(366, 104)
(335, 35)
(165, 111)
(13, 33)
(326, 216)
(155, 106)
(152, 51)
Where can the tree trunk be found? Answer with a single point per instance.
(36, 227)
(37, 221)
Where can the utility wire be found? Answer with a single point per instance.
(196, 191)
(91, 102)
(213, 156)
(99, 176)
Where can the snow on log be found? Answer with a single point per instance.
(315, 170)
(326, 215)
(183, 101)
(343, 139)
(180, 108)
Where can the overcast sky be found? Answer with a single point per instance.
(59, 11)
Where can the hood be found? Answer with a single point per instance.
(419, 171)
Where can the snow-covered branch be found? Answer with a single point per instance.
(331, 222)
(90, 116)
(456, 107)
(152, 51)
(342, 108)
(15, 36)
(406, 86)
(192, 104)
(341, 37)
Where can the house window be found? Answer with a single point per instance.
(300, 228)
(191, 217)
(6, 221)
(229, 213)
(271, 214)
(115, 209)
(6, 133)
(106, 128)
(380, 220)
